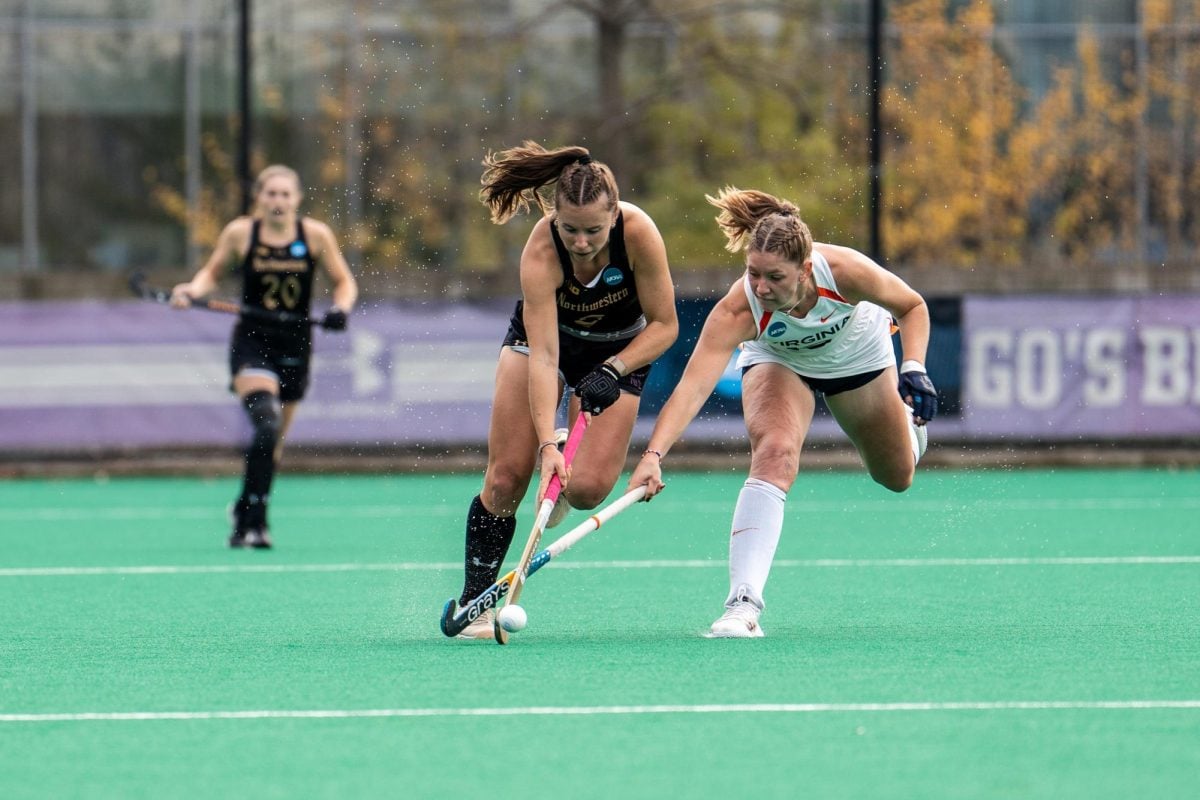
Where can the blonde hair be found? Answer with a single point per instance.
(276, 170)
(754, 220)
(513, 179)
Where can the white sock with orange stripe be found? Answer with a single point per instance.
(757, 523)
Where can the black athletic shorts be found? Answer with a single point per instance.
(577, 357)
(831, 386)
(286, 356)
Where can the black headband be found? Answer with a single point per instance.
(584, 159)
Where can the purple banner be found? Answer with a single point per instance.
(1047, 368)
(87, 375)
(92, 375)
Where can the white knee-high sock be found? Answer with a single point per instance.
(757, 523)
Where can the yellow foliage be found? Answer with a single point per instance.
(951, 105)
(966, 167)
(976, 170)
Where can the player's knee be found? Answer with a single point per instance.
(504, 488)
(776, 462)
(584, 495)
(895, 481)
(266, 418)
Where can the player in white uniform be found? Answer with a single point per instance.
(810, 317)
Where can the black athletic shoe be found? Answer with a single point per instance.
(238, 513)
(259, 538)
(249, 521)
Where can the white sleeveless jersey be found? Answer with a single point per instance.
(836, 339)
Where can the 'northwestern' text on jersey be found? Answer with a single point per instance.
(607, 307)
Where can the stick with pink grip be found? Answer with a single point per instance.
(553, 489)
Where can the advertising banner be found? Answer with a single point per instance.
(80, 376)
(1061, 368)
(129, 374)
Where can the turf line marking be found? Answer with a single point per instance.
(820, 563)
(16, 513)
(1048, 561)
(817, 563)
(220, 569)
(582, 711)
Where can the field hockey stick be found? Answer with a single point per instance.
(137, 283)
(553, 489)
(455, 619)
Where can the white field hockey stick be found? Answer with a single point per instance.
(553, 489)
(454, 619)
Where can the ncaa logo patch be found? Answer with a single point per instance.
(298, 250)
(776, 329)
(611, 276)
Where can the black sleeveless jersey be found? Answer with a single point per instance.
(609, 305)
(278, 279)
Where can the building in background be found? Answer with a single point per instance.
(1026, 144)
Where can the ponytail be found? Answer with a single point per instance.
(754, 220)
(513, 179)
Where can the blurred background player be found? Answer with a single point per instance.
(276, 252)
(810, 317)
(597, 307)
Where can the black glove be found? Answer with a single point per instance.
(334, 320)
(915, 384)
(598, 389)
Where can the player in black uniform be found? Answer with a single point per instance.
(597, 307)
(277, 252)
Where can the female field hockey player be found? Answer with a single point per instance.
(597, 307)
(276, 251)
(809, 317)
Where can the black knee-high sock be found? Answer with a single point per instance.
(488, 539)
(265, 414)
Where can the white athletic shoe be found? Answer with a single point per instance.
(922, 440)
(482, 628)
(740, 621)
(559, 513)
(922, 434)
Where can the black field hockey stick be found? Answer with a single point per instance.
(455, 619)
(138, 285)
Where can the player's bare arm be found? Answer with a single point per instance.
(541, 275)
(329, 256)
(656, 293)
(730, 323)
(860, 278)
(232, 245)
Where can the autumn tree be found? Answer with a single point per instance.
(1081, 141)
(1174, 136)
(685, 96)
(952, 193)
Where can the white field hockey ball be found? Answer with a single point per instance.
(512, 618)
